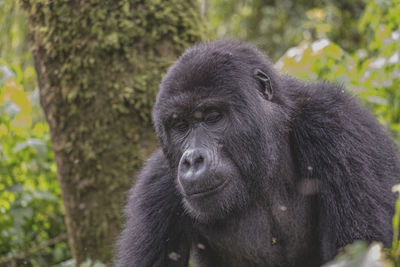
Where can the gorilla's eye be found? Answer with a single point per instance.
(181, 125)
(212, 117)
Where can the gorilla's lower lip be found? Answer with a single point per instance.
(208, 191)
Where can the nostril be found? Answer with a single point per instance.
(199, 160)
(186, 163)
(192, 161)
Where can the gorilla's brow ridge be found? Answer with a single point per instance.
(190, 105)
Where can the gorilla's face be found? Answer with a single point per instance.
(209, 117)
(206, 176)
(197, 133)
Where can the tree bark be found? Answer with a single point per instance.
(98, 64)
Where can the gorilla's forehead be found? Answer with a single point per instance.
(194, 86)
(204, 77)
(209, 66)
(219, 70)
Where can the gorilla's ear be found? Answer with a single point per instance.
(265, 83)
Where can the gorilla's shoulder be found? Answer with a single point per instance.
(330, 102)
(330, 123)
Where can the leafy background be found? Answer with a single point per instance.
(353, 43)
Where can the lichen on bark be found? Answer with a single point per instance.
(99, 64)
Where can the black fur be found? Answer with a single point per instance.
(289, 172)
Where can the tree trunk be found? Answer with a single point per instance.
(98, 65)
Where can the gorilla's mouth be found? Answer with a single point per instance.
(208, 191)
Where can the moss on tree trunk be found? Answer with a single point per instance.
(99, 64)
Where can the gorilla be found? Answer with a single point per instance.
(256, 168)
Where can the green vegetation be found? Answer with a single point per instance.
(32, 228)
(371, 72)
(353, 43)
(276, 25)
(31, 211)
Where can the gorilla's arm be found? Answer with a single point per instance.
(154, 233)
(341, 148)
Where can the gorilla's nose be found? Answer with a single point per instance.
(192, 166)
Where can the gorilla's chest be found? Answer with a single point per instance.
(262, 237)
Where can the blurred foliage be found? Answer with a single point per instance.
(14, 46)
(32, 229)
(371, 72)
(276, 25)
